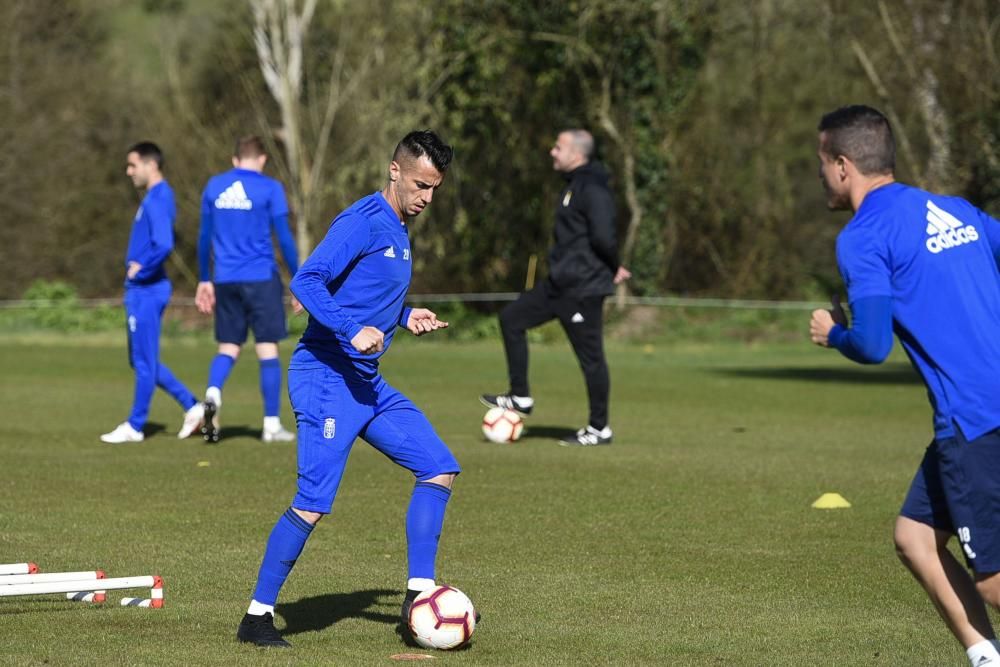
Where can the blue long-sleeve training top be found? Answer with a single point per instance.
(357, 276)
(152, 237)
(931, 260)
(239, 209)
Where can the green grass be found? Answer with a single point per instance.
(690, 541)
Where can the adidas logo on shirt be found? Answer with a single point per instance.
(946, 231)
(390, 253)
(234, 197)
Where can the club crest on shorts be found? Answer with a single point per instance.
(329, 428)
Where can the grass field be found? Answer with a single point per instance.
(690, 541)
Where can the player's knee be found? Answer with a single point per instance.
(989, 589)
(507, 320)
(445, 480)
(310, 517)
(230, 350)
(267, 351)
(144, 370)
(907, 545)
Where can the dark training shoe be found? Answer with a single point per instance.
(260, 631)
(522, 404)
(587, 437)
(404, 612)
(210, 425)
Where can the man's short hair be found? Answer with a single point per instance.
(862, 135)
(419, 143)
(249, 147)
(147, 151)
(583, 140)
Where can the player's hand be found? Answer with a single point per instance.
(204, 298)
(423, 321)
(368, 341)
(133, 270)
(297, 308)
(621, 275)
(819, 327)
(824, 320)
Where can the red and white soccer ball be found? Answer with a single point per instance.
(443, 618)
(502, 425)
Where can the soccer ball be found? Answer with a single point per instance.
(442, 617)
(502, 425)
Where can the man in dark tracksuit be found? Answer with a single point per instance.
(583, 270)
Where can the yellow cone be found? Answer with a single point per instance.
(831, 501)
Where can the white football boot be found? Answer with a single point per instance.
(123, 433)
(192, 420)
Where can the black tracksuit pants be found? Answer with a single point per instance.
(581, 318)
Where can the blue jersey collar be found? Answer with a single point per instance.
(880, 192)
(387, 207)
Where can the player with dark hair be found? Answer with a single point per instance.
(239, 210)
(925, 265)
(583, 270)
(353, 286)
(147, 293)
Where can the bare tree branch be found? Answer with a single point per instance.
(883, 93)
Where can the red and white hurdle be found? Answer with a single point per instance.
(86, 586)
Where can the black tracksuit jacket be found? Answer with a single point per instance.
(584, 259)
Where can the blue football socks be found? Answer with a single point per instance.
(219, 370)
(283, 548)
(424, 520)
(270, 386)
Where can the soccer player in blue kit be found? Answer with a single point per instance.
(147, 293)
(239, 208)
(353, 286)
(925, 266)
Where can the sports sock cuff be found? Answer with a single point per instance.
(444, 491)
(259, 608)
(298, 522)
(418, 585)
(274, 361)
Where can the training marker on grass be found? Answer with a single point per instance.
(18, 568)
(831, 501)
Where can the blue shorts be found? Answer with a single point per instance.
(331, 411)
(957, 490)
(258, 305)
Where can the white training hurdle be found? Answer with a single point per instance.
(86, 586)
(48, 577)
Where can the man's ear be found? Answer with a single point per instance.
(394, 171)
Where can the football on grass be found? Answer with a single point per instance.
(443, 618)
(502, 425)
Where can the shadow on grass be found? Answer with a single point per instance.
(888, 374)
(321, 611)
(152, 428)
(240, 431)
(546, 432)
(228, 432)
